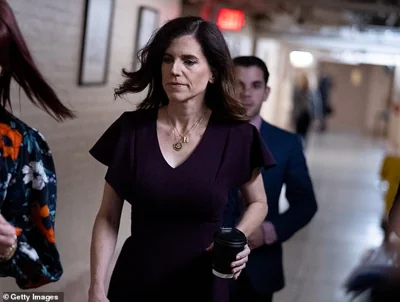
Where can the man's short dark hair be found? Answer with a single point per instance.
(249, 61)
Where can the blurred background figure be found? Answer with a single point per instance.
(303, 106)
(394, 214)
(377, 277)
(325, 85)
(28, 182)
(390, 177)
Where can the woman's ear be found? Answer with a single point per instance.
(212, 79)
(213, 76)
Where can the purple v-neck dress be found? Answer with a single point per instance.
(175, 211)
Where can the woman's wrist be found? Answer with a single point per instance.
(96, 289)
(243, 229)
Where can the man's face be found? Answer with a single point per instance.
(253, 89)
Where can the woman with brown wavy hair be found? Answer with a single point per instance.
(174, 159)
(28, 190)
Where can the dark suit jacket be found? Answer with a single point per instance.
(265, 267)
(394, 214)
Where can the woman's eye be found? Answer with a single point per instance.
(190, 62)
(167, 60)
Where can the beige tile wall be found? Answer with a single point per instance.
(53, 30)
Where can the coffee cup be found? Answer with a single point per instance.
(228, 242)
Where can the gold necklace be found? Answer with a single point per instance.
(184, 139)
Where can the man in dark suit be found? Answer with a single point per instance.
(264, 272)
(394, 214)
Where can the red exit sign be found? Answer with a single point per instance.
(230, 19)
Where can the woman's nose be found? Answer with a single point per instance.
(176, 68)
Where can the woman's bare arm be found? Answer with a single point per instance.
(104, 238)
(255, 199)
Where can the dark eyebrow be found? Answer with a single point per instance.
(189, 57)
(184, 57)
(257, 82)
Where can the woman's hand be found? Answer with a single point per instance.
(241, 260)
(240, 263)
(8, 238)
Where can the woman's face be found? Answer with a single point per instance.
(185, 70)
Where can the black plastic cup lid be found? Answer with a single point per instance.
(230, 237)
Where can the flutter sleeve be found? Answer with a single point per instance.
(255, 154)
(113, 150)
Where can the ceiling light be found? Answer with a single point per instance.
(301, 59)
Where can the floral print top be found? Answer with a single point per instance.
(28, 194)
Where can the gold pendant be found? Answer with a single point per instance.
(177, 146)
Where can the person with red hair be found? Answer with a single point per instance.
(28, 183)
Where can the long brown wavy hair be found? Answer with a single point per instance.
(221, 96)
(17, 63)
